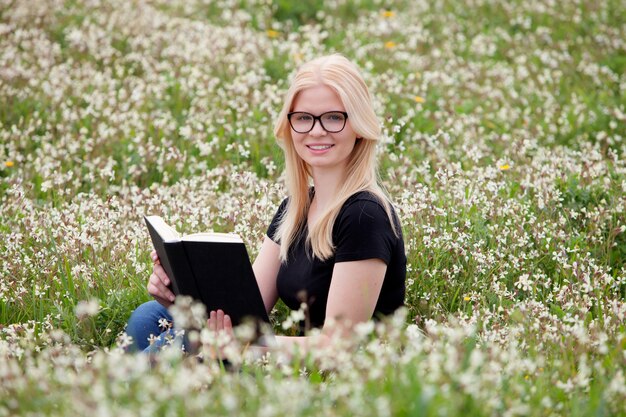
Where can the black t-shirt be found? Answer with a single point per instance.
(361, 231)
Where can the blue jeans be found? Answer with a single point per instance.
(143, 325)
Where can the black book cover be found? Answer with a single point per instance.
(225, 279)
(219, 274)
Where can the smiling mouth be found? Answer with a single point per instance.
(319, 147)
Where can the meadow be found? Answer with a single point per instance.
(503, 149)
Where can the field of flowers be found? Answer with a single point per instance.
(504, 150)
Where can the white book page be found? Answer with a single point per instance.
(213, 237)
(167, 233)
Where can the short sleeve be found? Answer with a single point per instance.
(363, 231)
(271, 230)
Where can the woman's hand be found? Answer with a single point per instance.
(157, 285)
(220, 322)
(222, 326)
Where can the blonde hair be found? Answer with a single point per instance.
(338, 73)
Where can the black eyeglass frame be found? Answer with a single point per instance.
(319, 119)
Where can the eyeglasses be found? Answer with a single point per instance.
(331, 121)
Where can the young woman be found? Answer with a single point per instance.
(336, 245)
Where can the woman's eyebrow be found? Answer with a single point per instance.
(329, 109)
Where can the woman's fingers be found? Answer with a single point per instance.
(158, 270)
(153, 290)
(212, 322)
(228, 324)
(158, 289)
(155, 257)
(155, 294)
(162, 281)
(164, 291)
(158, 282)
(219, 321)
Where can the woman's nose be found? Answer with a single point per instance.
(317, 130)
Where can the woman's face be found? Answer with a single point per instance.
(319, 148)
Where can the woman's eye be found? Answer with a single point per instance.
(304, 117)
(334, 117)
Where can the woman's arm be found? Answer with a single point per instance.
(352, 298)
(354, 291)
(266, 266)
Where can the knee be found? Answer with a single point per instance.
(144, 322)
(148, 312)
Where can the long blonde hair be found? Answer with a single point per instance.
(338, 73)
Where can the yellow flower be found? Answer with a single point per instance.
(388, 14)
(9, 164)
(297, 57)
(505, 167)
(419, 99)
(272, 33)
(466, 298)
(390, 45)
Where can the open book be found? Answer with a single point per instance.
(211, 267)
